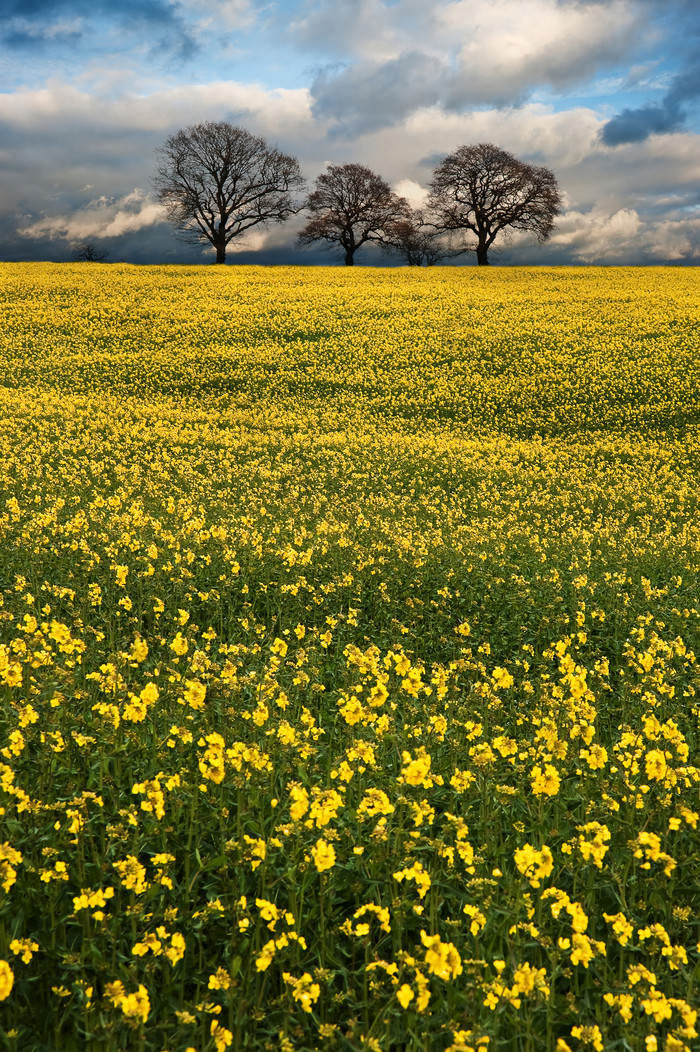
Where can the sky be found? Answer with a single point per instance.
(606, 93)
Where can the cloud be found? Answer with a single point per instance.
(368, 96)
(98, 115)
(636, 125)
(625, 237)
(369, 29)
(101, 218)
(35, 25)
(510, 47)
(415, 194)
(471, 53)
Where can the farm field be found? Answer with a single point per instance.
(349, 659)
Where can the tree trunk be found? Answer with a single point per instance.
(349, 258)
(220, 251)
(482, 255)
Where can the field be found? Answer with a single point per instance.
(349, 657)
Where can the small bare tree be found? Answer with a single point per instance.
(217, 181)
(419, 243)
(90, 253)
(351, 206)
(485, 190)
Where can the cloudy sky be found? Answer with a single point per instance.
(604, 92)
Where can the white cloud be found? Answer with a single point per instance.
(414, 193)
(361, 28)
(624, 236)
(101, 218)
(61, 104)
(461, 53)
(597, 237)
(510, 46)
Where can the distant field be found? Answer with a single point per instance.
(348, 636)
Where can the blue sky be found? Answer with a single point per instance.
(605, 92)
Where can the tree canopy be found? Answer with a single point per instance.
(351, 206)
(484, 190)
(217, 181)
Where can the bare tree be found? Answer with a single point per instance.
(90, 253)
(485, 190)
(419, 243)
(217, 181)
(350, 207)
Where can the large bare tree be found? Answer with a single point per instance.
(217, 181)
(484, 190)
(351, 206)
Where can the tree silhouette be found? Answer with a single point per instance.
(217, 181)
(485, 190)
(418, 243)
(351, 206)
(90, 253)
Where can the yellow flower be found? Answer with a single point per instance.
(268, 912)
(417, 873)
(478, 920)
(324, 807)
(417, 772)
(656, 765)
(593, 842)
(176, 951)
(547, 782)
(139, 650)
(137, 1005)
(442, 958)
(596, 757)
(266, 956)
(404, 995)
(533, 863)
(195, 693)
(304, 990)
(374, 802)
(132, 873)
(380, 912)
(179, 645)
(589, 1035)
(621, 927)
(9, 858)
(6, 980)
(220, 980)
(299, 801)
(222, 1036)
(323, 855)
(502, 678)
(24, 948)
(528, 980)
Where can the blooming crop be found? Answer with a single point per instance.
(349, 636)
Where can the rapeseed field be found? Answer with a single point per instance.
(349, 636)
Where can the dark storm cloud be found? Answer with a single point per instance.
(28, 25)
(672, 112)
(636, 125)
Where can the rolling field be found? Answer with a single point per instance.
(348, 636)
